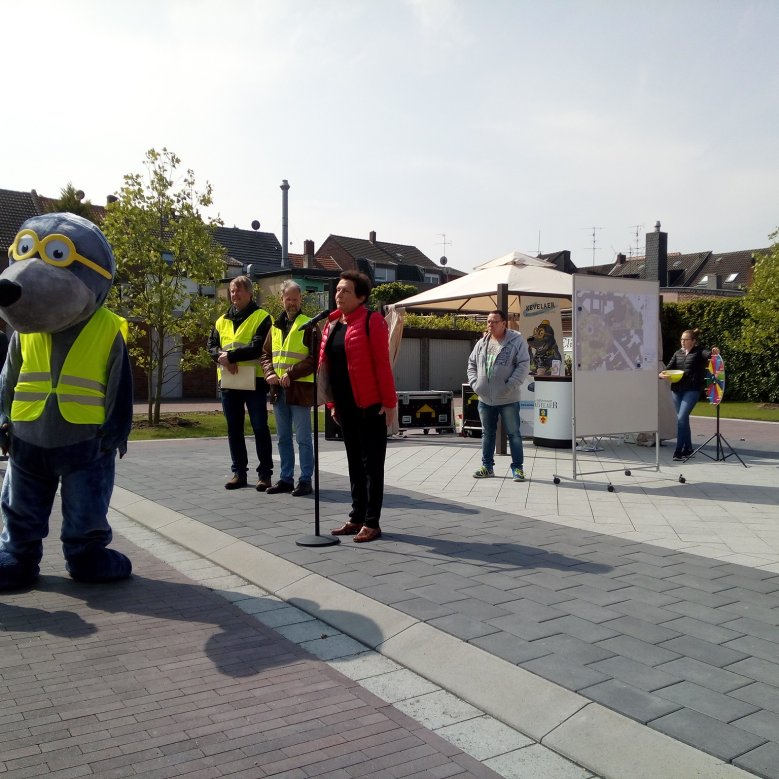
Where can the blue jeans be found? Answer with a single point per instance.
(685, 402)
(509, 414)
(233, 404)
(86, 476)
(297, 419)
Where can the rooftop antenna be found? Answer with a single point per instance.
(638, 229)
(444, 243)
(594, 241)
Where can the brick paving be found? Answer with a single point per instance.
(685, 644)
(159, 676)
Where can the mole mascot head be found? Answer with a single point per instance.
(65, 399)
(544, 348)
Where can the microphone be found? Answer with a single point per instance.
(316, 320)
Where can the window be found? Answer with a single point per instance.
(703, 281)
(731, 278)
(382, 274)
(432, 278)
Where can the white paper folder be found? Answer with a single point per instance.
(243, 380)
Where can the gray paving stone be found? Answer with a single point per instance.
(703, 630)
(644, 677)
(705, 675)
(560, 669)
(644, 612)
(510, 647)
(705, 651)
(766, 585)
(763, 761)
(751, 645)
(706, 733)
(580, 628)
(543, 595)
(595, 595)
(588, 611)
(713, 704)
(757, 669)
(423, 609)
(761, 723)
(529, 610)
(463, 627)
(762, 695)
(754, 627)
(433, 592)
(645, 631)
(629, 700)
(703, 613)
(579, 652)
(640, 651)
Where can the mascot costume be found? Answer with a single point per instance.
(544, 349)
(65, 399)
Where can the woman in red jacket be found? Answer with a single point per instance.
(358, 386)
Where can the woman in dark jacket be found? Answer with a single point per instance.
(358, 386)
(691, 359)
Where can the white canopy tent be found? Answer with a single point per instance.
(477, 293)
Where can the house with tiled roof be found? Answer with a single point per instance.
(384, 262)
(685, 276)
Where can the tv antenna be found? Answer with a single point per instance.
(594, 240)
(638, 251)
(444, 243)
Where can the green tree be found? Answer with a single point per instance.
(384, 294)
(165, 253)
(761, 324)
(72, 201)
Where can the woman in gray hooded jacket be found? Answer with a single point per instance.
(497, 366)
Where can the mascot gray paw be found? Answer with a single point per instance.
(15, 574)
(99, 565)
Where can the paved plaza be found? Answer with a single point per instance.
(498, 628)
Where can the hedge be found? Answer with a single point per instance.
(749, 375)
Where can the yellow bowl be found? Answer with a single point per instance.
(673, 376)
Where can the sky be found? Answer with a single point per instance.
(500, 124)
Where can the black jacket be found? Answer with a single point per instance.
(694, 365)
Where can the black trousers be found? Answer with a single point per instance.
(365, 438)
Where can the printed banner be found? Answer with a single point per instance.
(542, 325)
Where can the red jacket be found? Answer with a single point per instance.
(367, 356)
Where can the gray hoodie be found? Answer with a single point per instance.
(509, 371)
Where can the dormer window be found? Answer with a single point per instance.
(383, 274)
(704, 281)
(731, 278)
(432, 278)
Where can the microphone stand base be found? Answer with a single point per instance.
(318, 541)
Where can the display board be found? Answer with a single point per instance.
(615, 355)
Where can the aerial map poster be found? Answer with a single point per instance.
(616, 343)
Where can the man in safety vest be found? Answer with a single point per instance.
(235, 345)
(289, 359)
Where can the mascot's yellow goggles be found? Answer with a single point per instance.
(55, 249)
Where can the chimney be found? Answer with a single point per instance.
(621, 259)
(111, 199)
(714, 281)
(308, 254)
(372, 236)
(656, 263)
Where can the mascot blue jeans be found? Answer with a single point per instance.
(87, 477)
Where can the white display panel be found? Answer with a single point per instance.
(615, 334)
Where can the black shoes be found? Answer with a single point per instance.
(263, 484)
(683, 454)
(236, 482)
(279, 486)
(303, 488)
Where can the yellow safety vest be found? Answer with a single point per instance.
(290, 350)
(82, 382)
(232, 338)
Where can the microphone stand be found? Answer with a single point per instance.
(316, 539)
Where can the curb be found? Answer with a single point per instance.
(603, 741)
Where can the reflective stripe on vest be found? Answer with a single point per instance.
(82, 382)
(290, 350)
(232, 338)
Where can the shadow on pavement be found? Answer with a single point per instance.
(242, 648)
(502, 554)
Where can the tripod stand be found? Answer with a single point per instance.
(721, 456)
